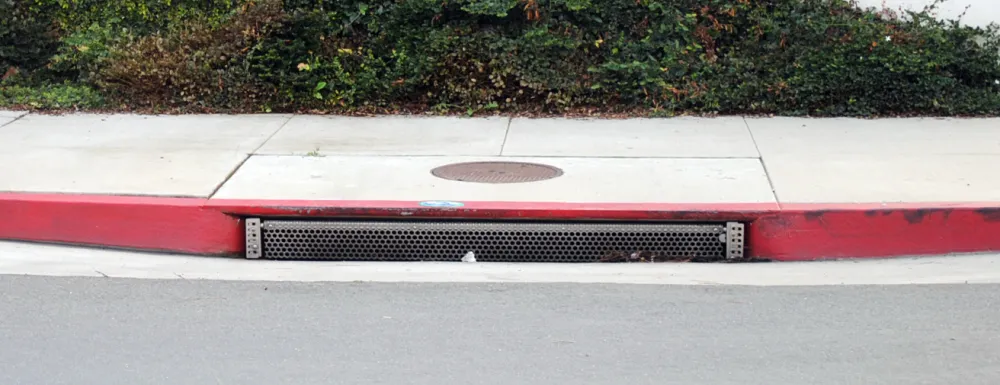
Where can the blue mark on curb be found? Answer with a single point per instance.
(441, 204)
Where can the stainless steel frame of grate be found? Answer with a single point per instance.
(492, 241)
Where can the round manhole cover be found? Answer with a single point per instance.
(496, 172)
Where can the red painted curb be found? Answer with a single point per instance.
(788, 232)
(803, 232)
(180, 225)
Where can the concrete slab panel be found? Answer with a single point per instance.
(4, 121)
(389, 135)
(128, 154)
(884, 178)
(584, 180)
(908, 136)
(685, 137)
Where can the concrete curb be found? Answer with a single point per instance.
(785, 232)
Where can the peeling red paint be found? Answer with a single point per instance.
(803, 234)
(990, 214)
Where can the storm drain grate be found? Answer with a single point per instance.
(492, 241)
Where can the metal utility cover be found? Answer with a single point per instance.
(497, 172)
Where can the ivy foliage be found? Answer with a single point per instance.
(789, 57)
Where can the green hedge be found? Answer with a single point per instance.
(790, 57)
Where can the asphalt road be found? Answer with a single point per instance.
(83, 331)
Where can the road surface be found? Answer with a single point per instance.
(109, 331)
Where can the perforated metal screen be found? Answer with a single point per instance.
(490, 242)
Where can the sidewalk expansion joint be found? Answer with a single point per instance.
(13, 120)
(506, 133)
(246, 158)
(763, 164)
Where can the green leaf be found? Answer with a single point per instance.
(577, 5)
(498, 8)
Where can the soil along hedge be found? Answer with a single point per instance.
(791, 57)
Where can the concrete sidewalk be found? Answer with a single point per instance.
(681, 160)
(738, 168)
